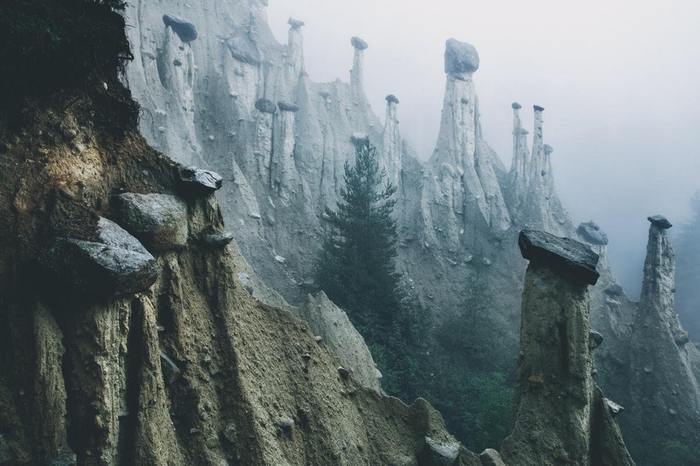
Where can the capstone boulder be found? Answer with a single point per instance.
(460, 57)
(158, 220)
(117, 264)
(186, 31)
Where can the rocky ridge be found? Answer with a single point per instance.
(169, 360)
(183, 365)
(281, 140)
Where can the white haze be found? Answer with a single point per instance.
(619, 81)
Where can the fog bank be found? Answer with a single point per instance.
(618, 80)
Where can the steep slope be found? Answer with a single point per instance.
(127, 335)
(235, 100)
(134, 343)
(283, 140)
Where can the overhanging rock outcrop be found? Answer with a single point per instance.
(116, 264)
(561, 417)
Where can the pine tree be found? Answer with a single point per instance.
(356, 269)
(356, 266)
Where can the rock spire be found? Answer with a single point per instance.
(460, 150)
(390, 159)
(561, 416)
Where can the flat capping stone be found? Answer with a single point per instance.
(516, 106)
(391, 98)
(265, 106)
(186, 31)
(571, 258)
(660, 221)
(295, 23)
(288, 107)
(538, 108)
(358, 43)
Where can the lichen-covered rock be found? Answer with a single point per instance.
(460, 57)
(116, 265)
(563, 254)
(198, 181)
(158, 220)
(186, 31)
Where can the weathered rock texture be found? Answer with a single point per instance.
(458, 214)
(331, 323)
(189, 369)
(662, 394)
(560, 417)
(283, 140)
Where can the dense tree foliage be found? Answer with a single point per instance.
(356, 269)
(473, 391)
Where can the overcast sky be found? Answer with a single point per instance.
(619, 81)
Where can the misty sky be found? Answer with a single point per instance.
(619, 81)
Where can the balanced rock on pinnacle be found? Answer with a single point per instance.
(460, 57)
(566, 256)
(561, 416)
(186, 31)
(358, 43)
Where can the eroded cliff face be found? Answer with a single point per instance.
(128, 336)
(280, 140)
